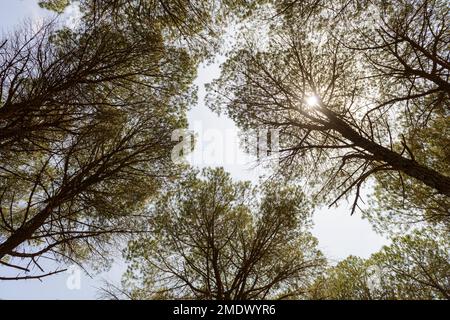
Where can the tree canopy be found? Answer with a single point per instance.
(355, 89)
(86, 121)
(412, 267)
(212, 238)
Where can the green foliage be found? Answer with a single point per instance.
(86, 121)
(383, 91)
(54, 5)
(414, 266)
(348, 280)
(401, 202)
(212, 238)
(194, 25)
(86, 116)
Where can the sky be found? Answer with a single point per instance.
(339, 234)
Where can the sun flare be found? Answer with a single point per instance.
(312, 101)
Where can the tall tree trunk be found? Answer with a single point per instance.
(25, 232)
(412, 168)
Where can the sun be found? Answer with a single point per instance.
(312, 101)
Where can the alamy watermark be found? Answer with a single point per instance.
(73, 281)
(227, 146)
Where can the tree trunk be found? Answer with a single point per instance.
(25, 232)
(428, 176)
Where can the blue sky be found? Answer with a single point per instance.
(339, 233)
